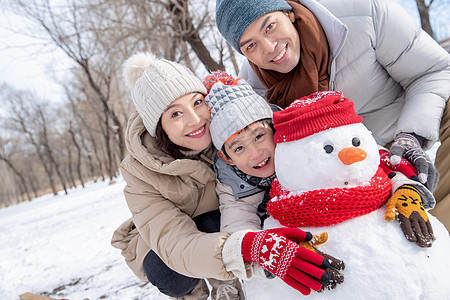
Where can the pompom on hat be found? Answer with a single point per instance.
(234, 105)
(155, 83)
(234, 16)
(311, 114)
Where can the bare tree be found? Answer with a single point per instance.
(7, 149)
(183, 23)
(27, 117)
(45, 143)
(424, 13)
(67, 30)
(89, 140)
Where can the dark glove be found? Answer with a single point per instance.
(412, 216)
(277, 251)
(409, 145)
(336, 265)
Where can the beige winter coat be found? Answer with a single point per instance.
(163, 195)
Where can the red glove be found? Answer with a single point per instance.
(277, 251)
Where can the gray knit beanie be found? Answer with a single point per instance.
(234, 107)
(234, 16)
(155, 83)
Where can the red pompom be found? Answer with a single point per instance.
(218, 76)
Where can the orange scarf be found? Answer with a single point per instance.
(311, 74)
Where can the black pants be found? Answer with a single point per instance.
(167, 280)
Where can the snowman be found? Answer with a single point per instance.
(329, 179)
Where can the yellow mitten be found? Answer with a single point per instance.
(407, 204)
(336, 265)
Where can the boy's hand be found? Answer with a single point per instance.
(277, 251)
(413, 218)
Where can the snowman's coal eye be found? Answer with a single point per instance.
(328, 148)
(356, 142)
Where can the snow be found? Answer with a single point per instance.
(60, 246)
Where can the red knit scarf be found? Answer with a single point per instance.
(328, 206)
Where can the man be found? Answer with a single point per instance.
(372, 50)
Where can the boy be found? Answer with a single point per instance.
(242, 132)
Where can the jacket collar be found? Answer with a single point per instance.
(335, 30)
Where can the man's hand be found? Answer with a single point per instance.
(412, 216)
(409, 145)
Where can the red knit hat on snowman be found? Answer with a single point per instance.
(312, 114)
(304, 117)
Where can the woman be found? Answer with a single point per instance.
(172, 238)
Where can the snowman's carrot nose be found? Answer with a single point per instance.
(351, 155)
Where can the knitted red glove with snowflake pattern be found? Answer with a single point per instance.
(277, 251)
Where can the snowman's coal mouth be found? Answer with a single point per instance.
(262, 164)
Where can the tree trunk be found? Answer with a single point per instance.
(22, 182)
(69, 166)
(32, 180)
(47, 148)
(233, 59)
(425, 16)
(46, 167)
(78, 148)
(183, 21)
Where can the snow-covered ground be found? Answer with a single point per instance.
(59, 246)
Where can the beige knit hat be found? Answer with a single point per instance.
(155, 83)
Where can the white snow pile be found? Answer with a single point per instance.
(379, 263)
(59, 246)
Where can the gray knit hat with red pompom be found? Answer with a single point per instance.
(155, 83)
(234, 107)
